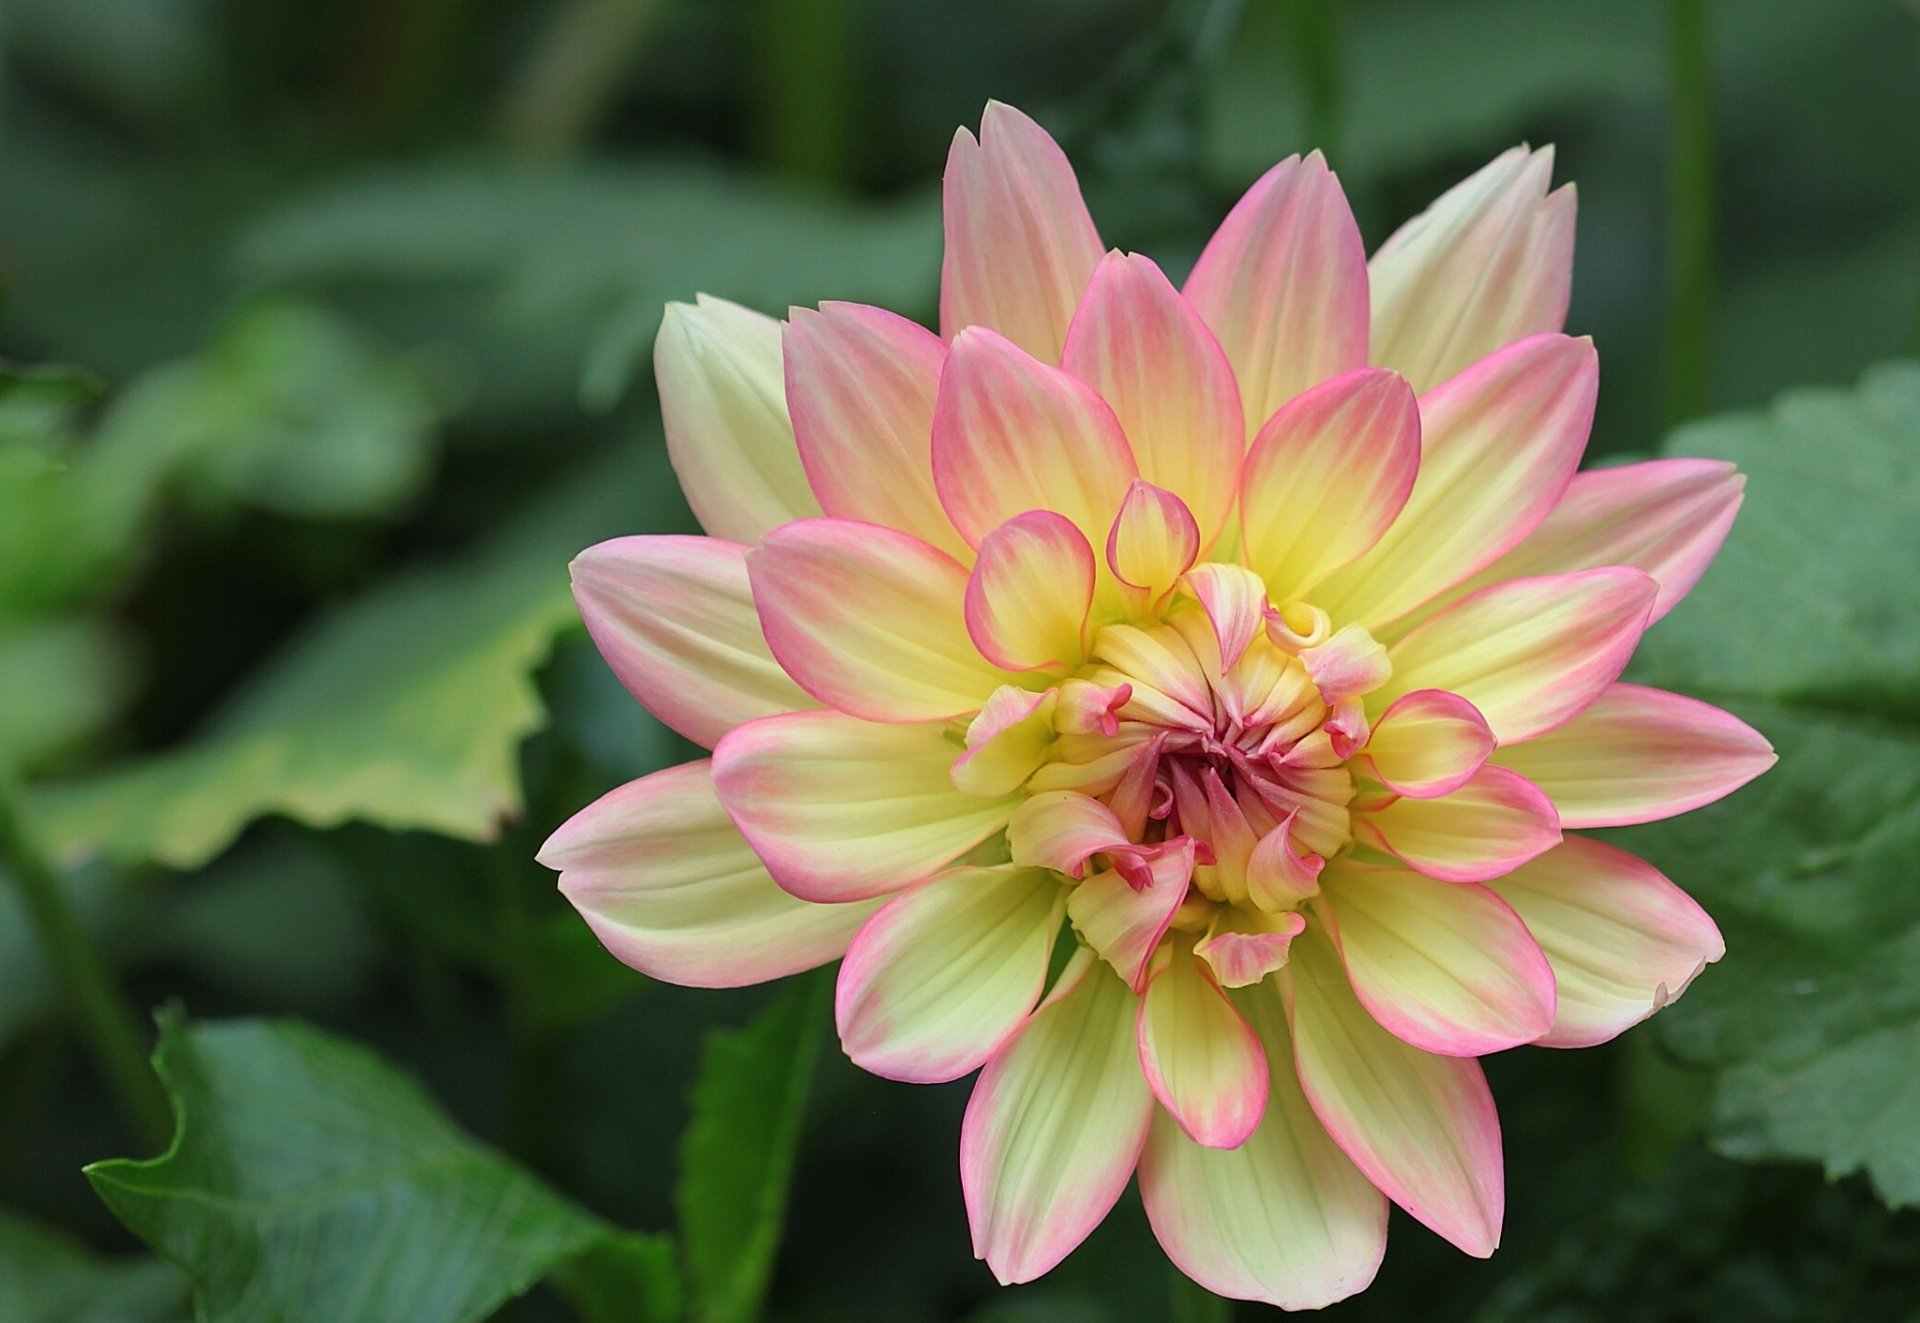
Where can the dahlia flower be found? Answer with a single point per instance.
(1171, 702)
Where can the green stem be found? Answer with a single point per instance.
(804, 57)
(1189, 1302)
(574, 73)
(1311, 25)
(1690, 183)
(106, 1019)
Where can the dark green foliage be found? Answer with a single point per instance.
(360, 296)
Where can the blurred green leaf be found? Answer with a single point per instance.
(1711, 1242)
(1811, 602)
(600, 246)
(1809, 627)
(403, 708)
(309, 1180)
(289, 409)
(626, 1278)
(60, 681)
(737, 1154)
(46, 1278)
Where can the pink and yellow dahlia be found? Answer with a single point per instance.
(1251, 643)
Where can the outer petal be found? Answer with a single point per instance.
(1020, 245)
(1421, 1127)
(1011, 434)
(1529, 654)
(1428, 743)
(1448, 968)
(1326, 478)
(869, 620)
(1283, 284)
(1285, 1218)
(1145, 349)
(662, 876)
(724, 403)
(1054, 1126)
(860, 385)
(1623, 941)
(1491, 825)
(674, 618)
(1487, 264)
(1638, 755)
(1201, 1058)
(842, 809)
(1665, 516)
(1499, 443)
(947, 972)
(1027, 598)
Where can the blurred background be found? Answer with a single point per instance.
(327, 328)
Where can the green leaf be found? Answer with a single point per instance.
(47, 1278)
(289, 409)
(737, 1154)
(309, 1181)
(628, 1278)
(1808, 626)
(1812, 600)
(60, 681)
(602, 246)
(404, 708)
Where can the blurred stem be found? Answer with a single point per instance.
(520, 992)
(1189, 1302)
(803, 87)
(1311, 25)
(106, 1018)
(574, 73)
(1690, 233)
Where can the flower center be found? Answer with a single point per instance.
(1178, 735)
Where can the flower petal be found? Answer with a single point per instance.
(724, 404)
(1283, 284)
(1242, 956)
(1061, 830)
(1489, 263)
(861, 383)
(842, 809)
(1491, 825)
(665, 880)
(1428, 743)
(1326, 477)
(869, 620)
(1201, 1058)
(1531, 653)
(947, 972)
(1623, 940)
(1007, 742)
(1286, 1218)
(1153, 540)
(1020, 245)
(674, 618)
(1027, 598)
(1011, 434)
(1446, 967)
(1055, 1125)
(1421, 1127)
(1125, 923)
(1498, 445)
(1145, 349)
(1638, 755)
(1235, 601)
(1665, 516)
